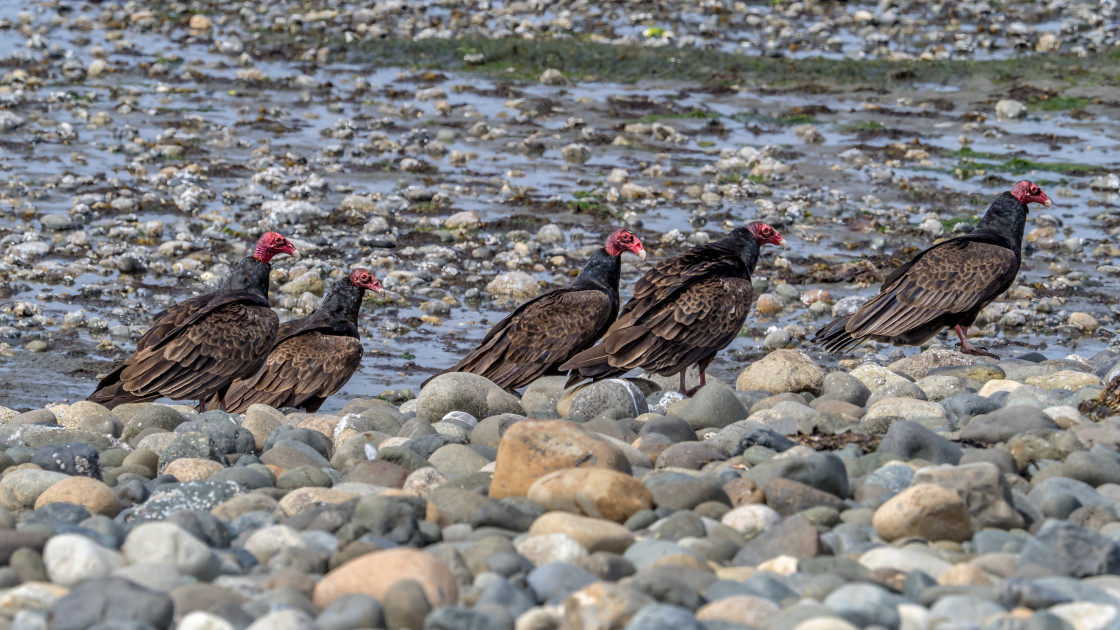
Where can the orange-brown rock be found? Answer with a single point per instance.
(602, 605)
(89, 493)
(531, 449)
(594, 534)
(596, 492)
(192, 468)
(374, 573)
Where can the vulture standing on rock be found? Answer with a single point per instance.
(199, 346)
(542, 333)
(684, 311)
(946, 285)
(312, 357)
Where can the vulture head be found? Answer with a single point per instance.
(363, 279)
(765, 234)
(622, 240)
(271, 244)
(1028, 192)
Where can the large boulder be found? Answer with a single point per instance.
(463, 391)
(531, 449)
(782, 371)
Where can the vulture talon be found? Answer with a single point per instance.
(967, 348)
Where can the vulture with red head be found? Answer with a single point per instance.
(946, 285)
(199, 346)
(312, 357)
(684, 311)
(546, 331)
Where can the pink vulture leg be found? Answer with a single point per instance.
(968, 348)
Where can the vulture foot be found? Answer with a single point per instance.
(968, 348)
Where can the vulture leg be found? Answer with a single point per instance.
(968, 348)
(684, 390)
(703, 365)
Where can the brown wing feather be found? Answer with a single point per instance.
(668, 336)
(536, 338)
(957, 277)
(195, 360)
(305, 368)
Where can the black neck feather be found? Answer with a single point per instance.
(602, 272)
(1006, 217)
(249, 275)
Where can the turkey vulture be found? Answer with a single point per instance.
(312, 357)
(542, 333)
(945, 285)
(200, 345)
(684, 311)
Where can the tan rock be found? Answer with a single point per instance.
(236, 506)
(323, 423)
(602, 605)
(964, 574)
(593, 533)
(374, 573)
(748, 610)
(261, 421)
(782, 371)
(531, 449)
(192, 468)
(303, 499)
(595, 492)
(768, 304)
(924, 510)
(30, 595)
(200, 22)
(997, 385)
(26, 484)
(89, 493)
(1065, 379)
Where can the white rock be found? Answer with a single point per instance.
(1010, 109)
(514, 284)
(72, 558)
(751, 517)
(552, 76)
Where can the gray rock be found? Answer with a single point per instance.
(1003, 424)
(844, 386)
(714, 405)
(540, 397)
(663, 617)
(460, 618)
(167, 543)
(823, 471)
(612, 395)
(109, 599)
(672, 427)
(920, 365)
(406, 605)
(1095, 469)
(963, 407)
(1065, 549)
(1057, 497)
(645, 552)
(911, 440)
(795, 536)
(461, 391)
(896, 389)
(683, 492)
(965, 609)
(76, 458)
(983, 489)
(939, 387)
(553, 582)
(866, 605)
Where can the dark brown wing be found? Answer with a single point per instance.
(305, 368)
(674, 274)
(540, 335)
(666, 336)
(194, 360)
(957, 276)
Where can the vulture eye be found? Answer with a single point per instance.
(1034, 190)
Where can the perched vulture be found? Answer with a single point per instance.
(945, 285)
(312, 357)
(684, 311)
(200, 345)
(542, 333)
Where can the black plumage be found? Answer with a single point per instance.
(546, 331)
(312, 358)
(197, 347)
(683, 312)
(946, 285)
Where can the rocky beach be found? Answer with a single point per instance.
(473, 156)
